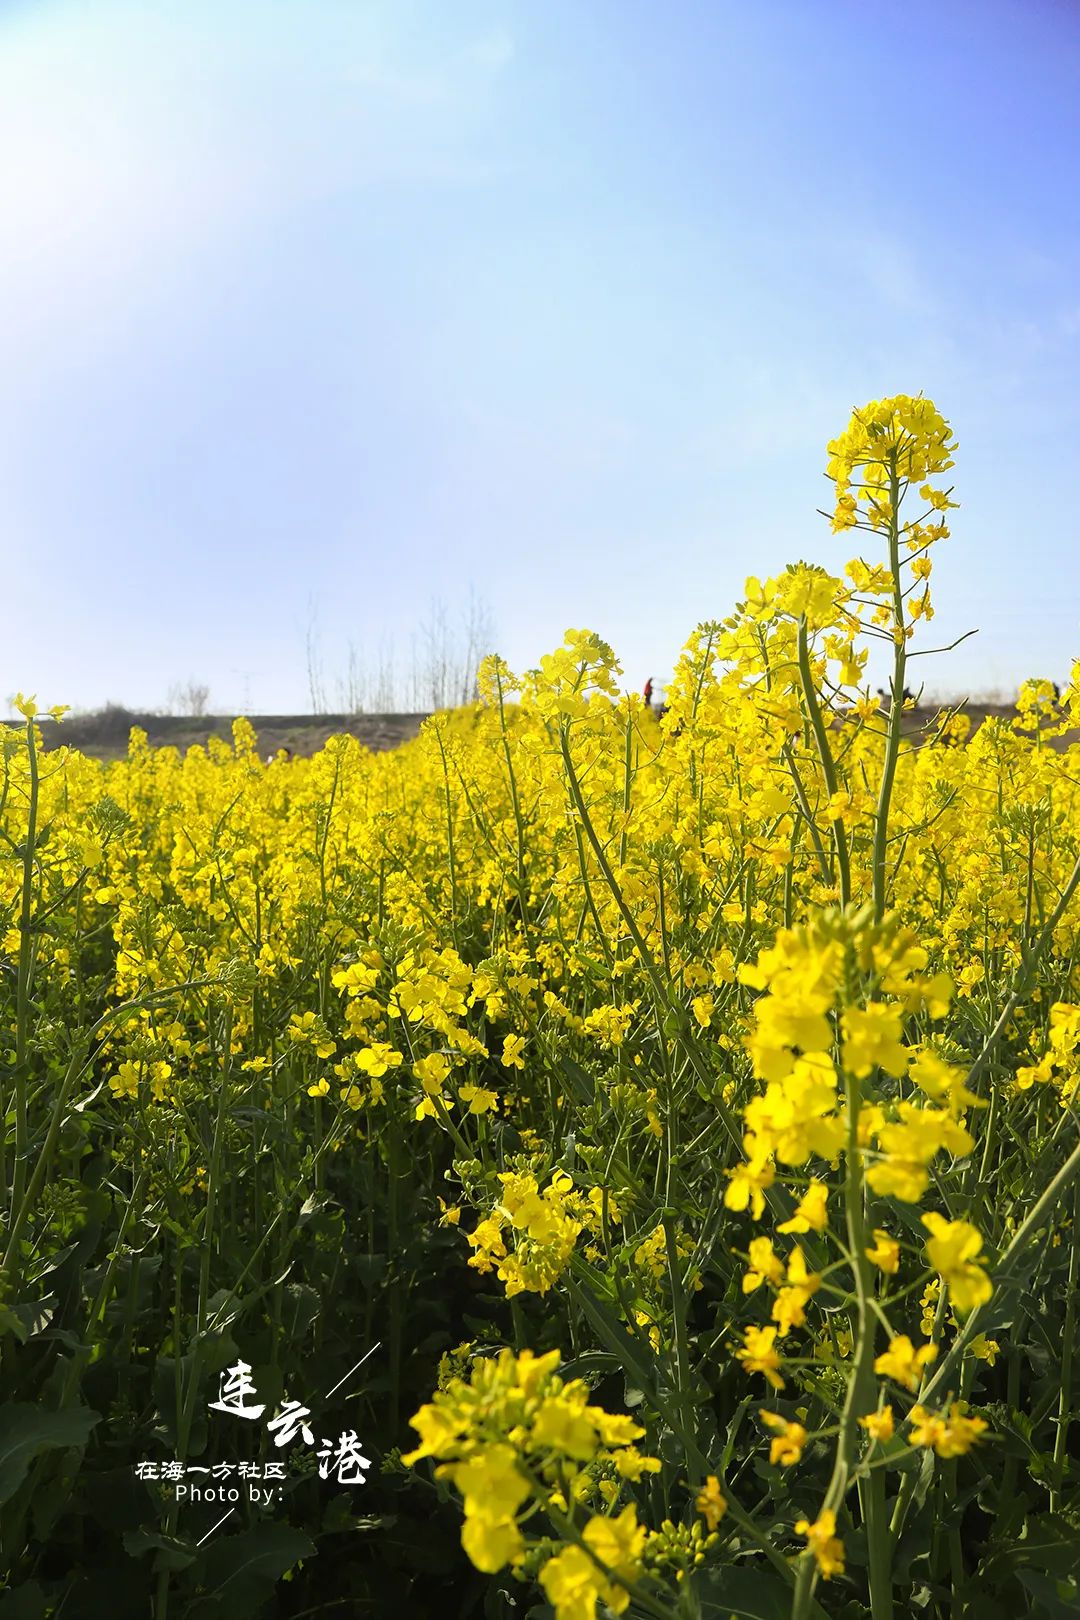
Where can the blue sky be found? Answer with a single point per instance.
(326, 308)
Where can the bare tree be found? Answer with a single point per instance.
(352, 689)
(434, 657)
(189, 697)
(385, 696)
(445, 662)
(441, 674)
(313, 650)
(479, 639)
(415, 698)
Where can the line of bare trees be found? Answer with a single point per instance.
(440, 672)
(189, 697)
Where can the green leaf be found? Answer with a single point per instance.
(579, 1082)
(52, 1262)
(26, 1431)
(173, 1552)
(1057, 1600)
(240, 1571)
(741, 1593)
(302, 1310)
(222, 1309)
(11, 1322)
(370, 1268)
(23, 1603)
(269, 1381)
(1051, 1545)
(613, 1334)
(35, 1317)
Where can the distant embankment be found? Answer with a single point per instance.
(104, 735)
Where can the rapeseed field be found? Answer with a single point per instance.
(648, 1144)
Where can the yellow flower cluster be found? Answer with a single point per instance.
(516, 1432)
(544, 1227)
(901, 438)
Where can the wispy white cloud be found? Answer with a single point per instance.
(446, 79)
(136, 139)
(891, 271)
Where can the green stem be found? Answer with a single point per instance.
(683, 1393)
(28, 1199)
(1004, 1278)
(825, 754)
(860, 1397)
(1025, 976)
(451, 853)
(896, 706)
(25, 972)
(519, 823)
(1012, 1402)
(1065, 1393)
(665, 1002)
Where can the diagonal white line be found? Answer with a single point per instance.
(217, 1526)
(351, 1370)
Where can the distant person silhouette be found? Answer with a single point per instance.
(648, 691)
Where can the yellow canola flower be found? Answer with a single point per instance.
(902, 1362)
(702, 1009)
(493, 1488)
(562, 1428)
(513, 1052)
(758, 1354)
(984, 1349)
(949, 1436)
(885, 1252)
(879, 1425)
(800, 1285)
(574, 1583)
(811, 1212)
(954, 1251)
(125, 1082)
(711, 1502)
(377, 1059)
(872, 1040)
(765, 1265)
(823, 1543)
(786, 1446)
(481, 1099)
